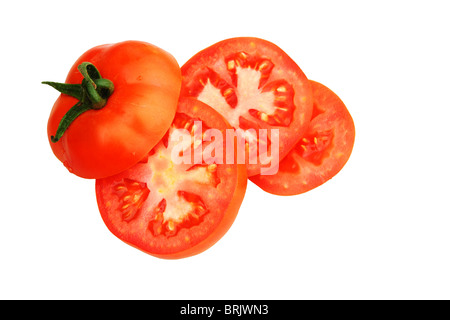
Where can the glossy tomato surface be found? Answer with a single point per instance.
(171, 209)
(100, 143)
(320, 154)
(254, 85)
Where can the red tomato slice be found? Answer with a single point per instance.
(320, 154)
(174, 210)
(254, 85)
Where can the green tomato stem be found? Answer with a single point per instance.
(92, 94)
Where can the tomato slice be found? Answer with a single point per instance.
(320, 154)
(254, 85)
(170, 209)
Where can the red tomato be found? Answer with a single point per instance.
(100, 143)
(172, 210)
(320, 154)
(254, 85)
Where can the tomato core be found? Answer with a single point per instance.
(248, 94)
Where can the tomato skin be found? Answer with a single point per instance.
(329, 143)
(284, 70)
(100, 143)
(224, 205)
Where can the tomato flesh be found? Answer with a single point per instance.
(132, 195)
(169, 209)
(313, 146)
(254, 85)
(320, 154)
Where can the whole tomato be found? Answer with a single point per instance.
(116, 105)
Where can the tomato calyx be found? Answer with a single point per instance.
(92, 94)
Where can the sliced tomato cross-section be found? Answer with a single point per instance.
(320, 154)
(254, 85)
(173, 209)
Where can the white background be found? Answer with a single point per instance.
(379, 230)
